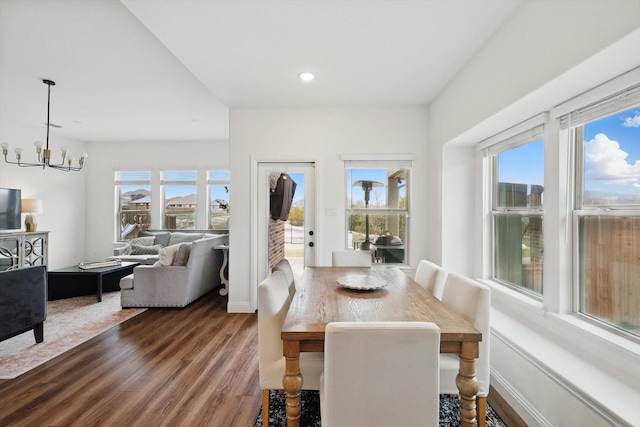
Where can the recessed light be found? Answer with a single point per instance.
(306, 76)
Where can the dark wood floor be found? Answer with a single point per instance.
(192, 367)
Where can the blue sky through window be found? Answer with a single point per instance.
(523, 165)
(612, 159)
(298, 178)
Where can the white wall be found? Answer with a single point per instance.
(62, 193)
(154, 156)
(551, 367)
(320, 135)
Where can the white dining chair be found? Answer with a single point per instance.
(431, 277)
(351, 258)
(380, 374)
(471, 300)
(273, 304)
(284, 266)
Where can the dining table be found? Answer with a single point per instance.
(363, 294)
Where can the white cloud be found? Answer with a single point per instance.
(632, 122)
(605, 161)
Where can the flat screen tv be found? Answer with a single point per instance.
(10, 209)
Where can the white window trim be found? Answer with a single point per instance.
(208, 185)
(117, 186)
(381, 161)
(528, 131)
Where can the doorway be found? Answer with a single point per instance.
(293, 239)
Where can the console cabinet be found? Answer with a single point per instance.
(20, 249)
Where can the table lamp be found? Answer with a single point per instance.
(31, 206)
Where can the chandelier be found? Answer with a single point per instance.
(44, 155)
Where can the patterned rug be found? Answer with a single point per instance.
(70, 322)
(310, 417)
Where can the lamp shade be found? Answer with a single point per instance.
(31, 205)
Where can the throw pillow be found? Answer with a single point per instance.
(145, 250)
(178, 237)
(183, 254)
(140, 241)
(162, 237)
(167, 255)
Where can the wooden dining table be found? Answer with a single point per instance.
(340, 294)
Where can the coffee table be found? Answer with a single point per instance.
(73, 281)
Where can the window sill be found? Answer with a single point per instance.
(518, 304)
(503, 296)
(593, 364)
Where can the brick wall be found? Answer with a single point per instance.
(276, 242)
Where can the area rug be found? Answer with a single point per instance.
(70, 322)
(310, 416)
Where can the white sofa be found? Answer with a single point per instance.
(176, 286)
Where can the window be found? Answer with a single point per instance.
(218, 184)
(517, 170)
(180, 201)
(378, 209)
(133, 194)
(607, 210)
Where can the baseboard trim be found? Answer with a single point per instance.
(239, 307)
(503, 409)
(517, 400)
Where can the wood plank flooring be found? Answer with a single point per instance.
(195, 367)
(192, 367)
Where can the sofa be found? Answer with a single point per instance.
(172, 285)
(23, 302)
(145, 248)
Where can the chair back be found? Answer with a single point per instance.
(284, 266)
(351, 258)
(380, 373)
(472, 300)
(431, 277)
(273, 305)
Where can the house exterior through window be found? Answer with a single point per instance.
(180, 199)
(133, 195)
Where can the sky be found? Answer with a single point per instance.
(217, 191)
(612, 154)
(611, 159)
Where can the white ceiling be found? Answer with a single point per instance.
(169, 70)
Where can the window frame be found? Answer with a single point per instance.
(527, 132)
(118, 184)
(573, 123)
(164, 183)
(217, 182)
(377, 163)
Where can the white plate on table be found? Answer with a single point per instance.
(361, 282)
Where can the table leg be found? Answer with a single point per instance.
(468, 384)
(292, 382)
(225, 282)
(99, 290)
